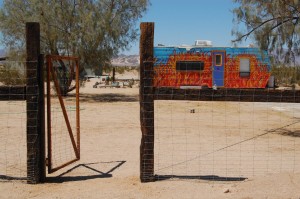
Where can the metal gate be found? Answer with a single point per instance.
(63, 126)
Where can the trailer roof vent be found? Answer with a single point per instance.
(203, 43)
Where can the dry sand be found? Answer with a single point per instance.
(266, 167)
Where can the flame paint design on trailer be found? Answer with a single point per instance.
(221, 66)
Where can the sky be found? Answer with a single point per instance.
(180, 22)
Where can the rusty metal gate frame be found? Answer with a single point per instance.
(75, 144)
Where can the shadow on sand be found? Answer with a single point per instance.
(108, 97)
(8, 178)
(287, 132)
(90, 166)
(207, 178)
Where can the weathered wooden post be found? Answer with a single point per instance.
(147, 102)
(114, 75)
(35, 106)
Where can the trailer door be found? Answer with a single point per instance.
(218, 64)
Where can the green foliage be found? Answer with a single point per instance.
(274, 25)
(107, 69)
(10, 75)
(120, 70)
(286, 75)
(94, 30)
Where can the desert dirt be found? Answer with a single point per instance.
(212, 149)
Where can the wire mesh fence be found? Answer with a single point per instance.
(225, 140)
(22, 120)
(62, 149)
(202, 114)
(13, 154)
(63, 111)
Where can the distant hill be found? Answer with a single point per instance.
(126, 60)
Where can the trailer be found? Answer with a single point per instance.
(203, 65)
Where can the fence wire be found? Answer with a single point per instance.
(13, 154)
(225, 140)
(62, 107)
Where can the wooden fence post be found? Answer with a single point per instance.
(114, 75)
(36, 170)
(147, 102)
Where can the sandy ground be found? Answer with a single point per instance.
(254, 146)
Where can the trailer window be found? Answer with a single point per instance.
(244, 67)
(189, 65)
(218, 60)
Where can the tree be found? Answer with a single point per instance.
(94, 30)
(273, 24)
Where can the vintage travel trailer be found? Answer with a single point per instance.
(202, 65)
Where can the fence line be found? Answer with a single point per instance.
(31, 131)
(182, 125)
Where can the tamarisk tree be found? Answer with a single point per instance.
(94, 30)
(273, 24)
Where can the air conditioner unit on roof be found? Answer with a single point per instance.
(203, 43)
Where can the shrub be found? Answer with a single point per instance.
(12, 75)
(286, 75)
